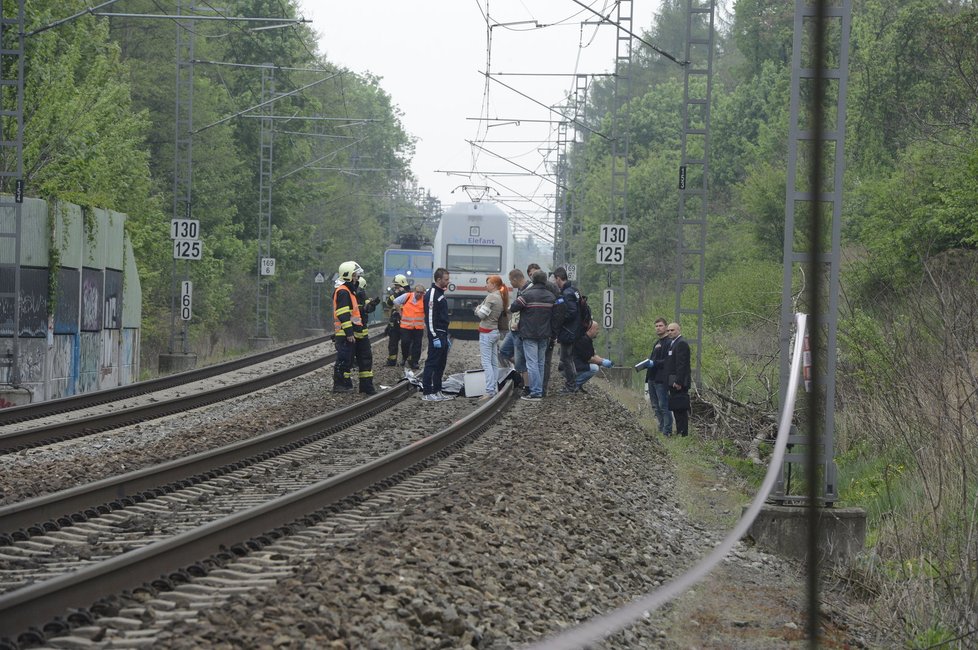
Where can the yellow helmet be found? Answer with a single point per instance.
(363, 282)
(348, 269)
(401, 280)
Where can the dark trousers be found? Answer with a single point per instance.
(682, 422)
(344, 361)
(411, 346)
(393, 341)
(567, 359)
(434, 366)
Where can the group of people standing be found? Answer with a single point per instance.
(542, 316)
(669, 377)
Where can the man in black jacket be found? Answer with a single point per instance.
(655, 378)
(567, 327)
(436, 323)
(679, 377)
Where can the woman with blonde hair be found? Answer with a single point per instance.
(489, 311)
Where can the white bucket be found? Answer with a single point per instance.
(475, 383)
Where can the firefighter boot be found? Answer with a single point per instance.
(392, 361)
(367, 386)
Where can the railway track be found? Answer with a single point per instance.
(19, 434)
(183, 518)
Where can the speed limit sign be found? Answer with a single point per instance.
(608, 309)
(186, 299)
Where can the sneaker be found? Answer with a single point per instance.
(444, 396)
(430, 397)
(580, 389)
(568, 390)
(526, 391)
(532, 398)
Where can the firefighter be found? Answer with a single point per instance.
(349, 333)
(367, 307)
(393, 330)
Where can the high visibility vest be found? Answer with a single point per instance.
(412, 312)
(353, 310)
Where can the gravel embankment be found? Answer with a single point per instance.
(567, 512)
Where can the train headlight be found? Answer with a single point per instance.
(451, 286)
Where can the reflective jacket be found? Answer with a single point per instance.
(346, 312)
(412, 312)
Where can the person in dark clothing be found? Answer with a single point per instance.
(548, 360)
(436, 323)
(679, 378)
(535, 306)
(367, 305)
(567, 326)
(586, 361)
(655, 378)
(399, 287)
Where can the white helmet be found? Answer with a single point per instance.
(348, 269)
(401, 280)
(363, 282)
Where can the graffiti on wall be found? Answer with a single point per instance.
(89, 358)
(113, 300)
(64, 365)
(66, 305)
(91, 300)
(33, 302)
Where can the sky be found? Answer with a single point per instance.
(431, 56)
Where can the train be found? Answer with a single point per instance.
(474, 240)
(411, 256)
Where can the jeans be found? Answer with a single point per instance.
(536, 354)
(487, 349)
(659, 396)
(512, 348)
(584, 375)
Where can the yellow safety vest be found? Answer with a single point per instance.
(355, 321)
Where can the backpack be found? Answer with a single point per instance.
(584, 310)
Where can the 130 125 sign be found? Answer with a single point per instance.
(187, 249)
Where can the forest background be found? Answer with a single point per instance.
(99, 131)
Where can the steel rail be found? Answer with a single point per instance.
(75, 428)
(67, 506)
(64, 404)
(41, 602)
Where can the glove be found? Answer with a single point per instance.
(437, 343)
(606, 363)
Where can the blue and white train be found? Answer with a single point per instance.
(474, 240)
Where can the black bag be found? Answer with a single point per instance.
(678, 400)
(585, 312)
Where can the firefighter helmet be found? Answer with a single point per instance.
(401, 280)
(348, 269)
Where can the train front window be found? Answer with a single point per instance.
(398, 260)
(475, 259)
